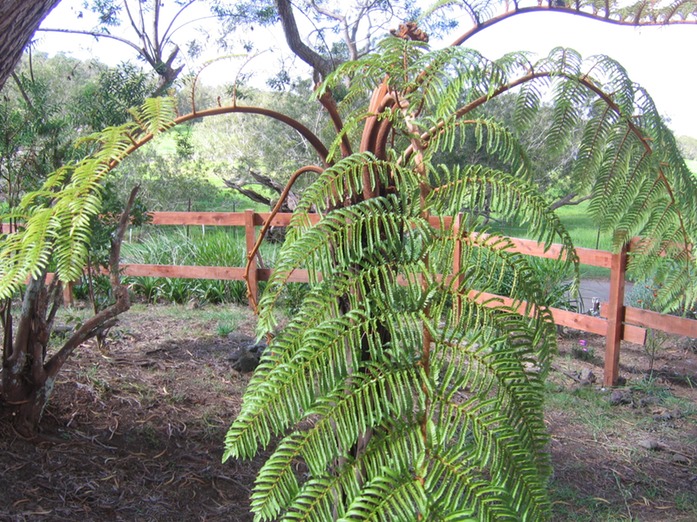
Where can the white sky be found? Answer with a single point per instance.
(659, 58)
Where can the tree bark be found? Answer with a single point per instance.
(319, 63)
(29, 374)
(568, 200)
(242, 185)
(19, 20)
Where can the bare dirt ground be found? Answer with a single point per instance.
(135, 432)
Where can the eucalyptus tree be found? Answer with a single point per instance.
(339, 31)
(255, 156)
(150, 31)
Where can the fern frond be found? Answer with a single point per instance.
(57, 216)
(390, 496)
(408, 390)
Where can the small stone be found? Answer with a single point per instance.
(257, 348)
(648, 401)
(618, 397)
(235, 355)
(662, 416)
(650, 444)
(587, 377)
(679, 458)
(246, 363)
(63, 329)
(238, 338)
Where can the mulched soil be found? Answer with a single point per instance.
(135, 432)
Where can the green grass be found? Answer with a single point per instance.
(221, 314)
(215, 248)
(692, 165)
(589, 406)
(616, 428)
(225, 246)
(579, 223)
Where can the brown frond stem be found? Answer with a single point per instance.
(262, 233)
(376, 131)
(329, 103)
(306, 133)
(568, 10)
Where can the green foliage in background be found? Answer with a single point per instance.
(212, 249)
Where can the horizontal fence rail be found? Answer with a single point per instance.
(616, 321)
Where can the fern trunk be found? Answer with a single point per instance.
(27, 402)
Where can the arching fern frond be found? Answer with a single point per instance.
(56, 218)
(485, 13)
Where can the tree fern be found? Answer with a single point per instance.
(407, 392)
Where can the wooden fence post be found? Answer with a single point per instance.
(615, 317)
(68, 294)
(250, 237)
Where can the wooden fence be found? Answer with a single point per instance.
(616, 321)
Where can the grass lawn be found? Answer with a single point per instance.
(692, 165)
(584, 233)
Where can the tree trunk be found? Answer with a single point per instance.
(28, 371)
(24, 378)
(243, 186)
(319, 63)
(19, 19)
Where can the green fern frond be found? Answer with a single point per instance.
(57, 216)
(490, 137)
(155, 115)
(390, 496)
(632, 14)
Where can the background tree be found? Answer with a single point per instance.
(255, 155)
(40, 120)
(173, 179)
(550, 163)
(21, 18)
(339, 31)
(46, 107)
(152, 25)
(688, 146)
